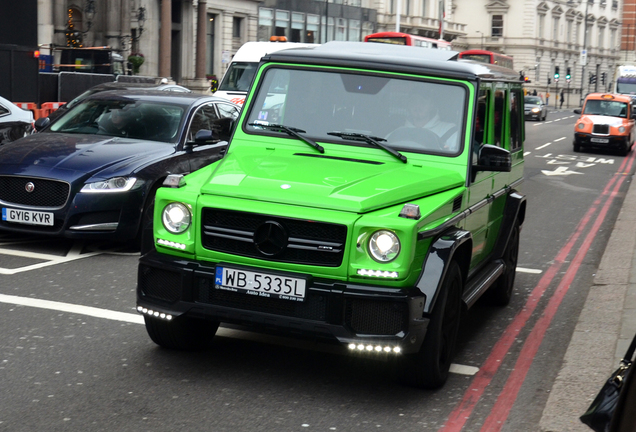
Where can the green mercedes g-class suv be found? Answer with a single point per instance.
(368, 196)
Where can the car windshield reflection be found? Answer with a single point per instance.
(130, 119)
(412, 116)
(606, 108)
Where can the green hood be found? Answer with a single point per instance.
(323, 181)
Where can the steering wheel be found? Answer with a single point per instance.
(414, 138)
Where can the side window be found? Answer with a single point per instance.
(228, 111)
(500, 112)
(480, 120)
(3, 110)
(203, 119)
(515, 120)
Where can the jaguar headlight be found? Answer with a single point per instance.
(115, 184)
(384, 246)
(621, 129)
(176, 217)
(580, 125)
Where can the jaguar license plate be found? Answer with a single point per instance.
(260, 284)
(28, 217)
(600, 140)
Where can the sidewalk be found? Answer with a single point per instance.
(604, 330)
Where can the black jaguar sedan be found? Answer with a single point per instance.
(93, 173)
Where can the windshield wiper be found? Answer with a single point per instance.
(291, 131)
(370, 140)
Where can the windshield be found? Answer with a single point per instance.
(626, 86)
(606, 108)
(404, 112)
(532, 100)
(125, 118)
(238, 77)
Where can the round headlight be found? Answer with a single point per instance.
(536, 110)
(580, 125)
(384, 246)
(176, 218)
(621, 129)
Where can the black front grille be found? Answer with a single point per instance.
(160, 284)
(46, 193)
(376, 317)
(305, 242)
(313, 308)
(600, 129)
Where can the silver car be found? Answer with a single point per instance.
(535, 108)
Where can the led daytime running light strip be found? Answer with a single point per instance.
(171, 244)
(375, 348)
(154, 313)
(378, 273)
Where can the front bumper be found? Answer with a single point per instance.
(109, 216)
(601, 141)
(351, 314)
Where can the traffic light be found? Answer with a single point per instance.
(549, 81)
(568, 77)
(602, 77)
(526, 80)
(556, 74)
(592, 78)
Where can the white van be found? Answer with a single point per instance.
(238, 77)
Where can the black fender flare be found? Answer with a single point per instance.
(452, 243)
(514, 210)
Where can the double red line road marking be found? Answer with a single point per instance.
(506, 399)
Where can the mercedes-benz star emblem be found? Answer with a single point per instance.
(29, 187)
(270, 238)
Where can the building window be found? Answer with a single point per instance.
(569, 32)
(367, 29)
(540, 31)
(236, 27)
(578, 34)
(601, 38)
(408, 7)
(555, 29)
(282, 23)
(341, 29)
(297, 25)
(424, 8)
(313, 25)
(354, 30)
(326, 32)
(265, 23)
(497, 26)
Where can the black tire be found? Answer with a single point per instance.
(501, 291)
(184, 334)
(625, 150)
(429, 367)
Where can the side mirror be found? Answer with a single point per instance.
(493, 158)
(203, 137)
(42, 123)
(633, 116)
(577, 111)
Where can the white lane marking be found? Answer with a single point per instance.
(527, 270)
(138, 319)
(526, 153)
(543, 146)
(74, 254)
(72, 308)
(463, 370)
(560, 139)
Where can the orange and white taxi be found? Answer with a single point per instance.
(606, 122)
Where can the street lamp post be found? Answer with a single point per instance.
(584, 52)
(482, 39)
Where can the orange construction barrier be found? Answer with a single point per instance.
(31, 107)
(48, 107)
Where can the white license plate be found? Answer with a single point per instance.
(260, 284)
(29, 217)
(600, 140)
